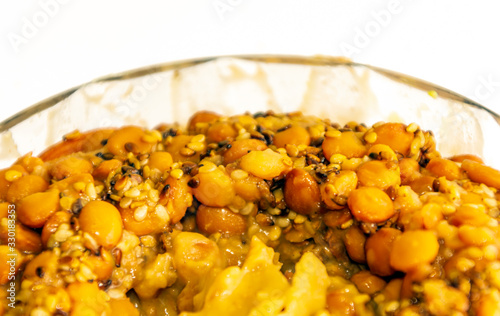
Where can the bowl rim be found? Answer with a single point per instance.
(318, 60)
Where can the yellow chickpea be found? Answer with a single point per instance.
(123, 307)
(53, 223)
(413, 248)
(103, 222)
(337, 188)
(212, 220)
(4, 183)
(128, 139)
(301, 192)
(367, 282)
(194, 255)
(266, 164)
(6, 254)
(83, 142)
(176, 197)
(241, 147)
(482, 174)
(68, 166)
(395, 136)
(160, 160)
(347, 144)
(370, 204)
(380, 174)
(295, 135)
(201, 117)
(215, 188)
(25, 186)
(88, 299)
(378, 249)
(221, 131)
(35, 209)
(102, 171)
(444, 168)
(354, 241)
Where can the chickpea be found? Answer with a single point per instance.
(87, 299)
(295, 135)
(25, 186)
(476, 236)
(53, 223)
(266, 164)
(467, 214)
(68, 166)
(367, 282)
(5, 255)
(241, 147)
(35, 209)
(354, 241)
(45, 262)
(301, 192)
(378, 249)
(212, 220)
(201, 117)
(175, 147)
(413, 248)
(151, 224)
(409, 169)
(347, 144)
(337, 188)
(4, 183)
(481, 173)
(221, 131)
(176, 197)
(370, 204)
(337, 218)
(341, 303)
(102, 171)
(250, 188)
(489, 304)
(215, 188)
(102, 266)
(431, 215)
(123, 307)
(444, 168)
(422, 184)
(103, 222)
(84, 142)
(195, 255)
(380, 174)
(29, 162)
(395, 136)
(461, 158)
(128, 139)
(160, 160)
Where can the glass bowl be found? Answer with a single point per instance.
(329, 87)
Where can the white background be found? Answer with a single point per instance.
(48, 46)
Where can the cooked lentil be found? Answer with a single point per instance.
(265, 214)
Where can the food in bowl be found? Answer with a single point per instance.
(252, 214)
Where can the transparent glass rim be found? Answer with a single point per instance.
(280, 59)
